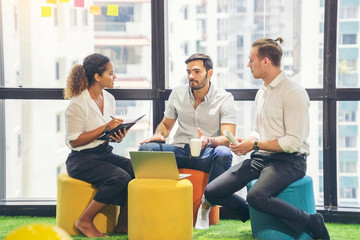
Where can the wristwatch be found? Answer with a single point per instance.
(256, 147)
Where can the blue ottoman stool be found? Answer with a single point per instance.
(266, 227)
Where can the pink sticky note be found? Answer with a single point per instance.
(79, 3)
(94, 10)
(51, 1)
(45, 11)
(112, 10)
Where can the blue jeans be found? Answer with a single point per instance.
(214, 161)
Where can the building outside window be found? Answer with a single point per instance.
(220, 28)
(73, 17)
(40, 56)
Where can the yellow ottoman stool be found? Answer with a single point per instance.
(160, 209)
(73, 196)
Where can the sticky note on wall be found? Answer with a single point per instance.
(112, 10)
(51, 1)
(63, 1)
(79, 3)
(45, 11)
(94, 10)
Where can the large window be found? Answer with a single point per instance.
(229, 37)
(35, 146)
(230, 41)
(148, 41)
(38, 54)
(348, 154)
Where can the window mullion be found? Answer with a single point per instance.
(329, 105)
(2, 117)
(158, 58)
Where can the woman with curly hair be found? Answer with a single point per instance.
(88, 116)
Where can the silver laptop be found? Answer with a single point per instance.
(159, 165)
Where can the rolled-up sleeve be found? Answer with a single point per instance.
(75, 116)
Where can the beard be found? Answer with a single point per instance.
(199, 86)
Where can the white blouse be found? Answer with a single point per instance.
(83, 115)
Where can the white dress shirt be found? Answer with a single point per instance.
(282, 112)
(83, 115)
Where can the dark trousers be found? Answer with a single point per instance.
(109, 172)
(274, 173)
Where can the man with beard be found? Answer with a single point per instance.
(202, 111)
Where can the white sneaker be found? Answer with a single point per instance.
(202, 219)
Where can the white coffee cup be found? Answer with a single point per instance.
(195, 147)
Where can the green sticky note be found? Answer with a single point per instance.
(45, 11)
(112, 10)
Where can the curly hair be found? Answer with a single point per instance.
(82, 76)
(269, 48)
(76, 82)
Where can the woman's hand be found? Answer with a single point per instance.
(119, 135)
(114, 123)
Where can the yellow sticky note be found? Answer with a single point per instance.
(45, 11)
(94, 10)
(62, 1)
(112, 10)
(51, 1)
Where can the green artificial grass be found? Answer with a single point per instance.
(224, 230)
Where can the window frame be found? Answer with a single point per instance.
(329, 94)
(2, 113)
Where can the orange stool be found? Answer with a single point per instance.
(199, 180)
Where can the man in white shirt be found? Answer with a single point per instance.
(279, 141)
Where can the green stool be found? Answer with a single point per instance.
(266, 227)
